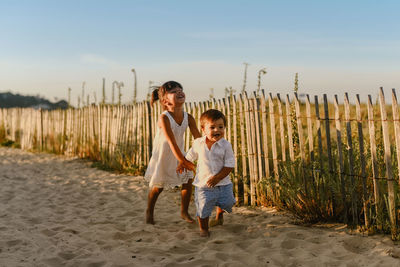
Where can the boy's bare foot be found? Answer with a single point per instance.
(149, 218)
(204, 233)
(215, 222)
(187, 217)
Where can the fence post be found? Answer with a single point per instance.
(396, 127)
(310, 138)
(328, 134)
(388, 163)
(149, 131)
(281, 127)
(362, 160)
(268, 190)
(244, 153)
(340, 152)
(252, 151)
(41, 130)
(273, 143)
(265, 133)
(319, 135)
(371, 126)
(351, 159)
(227, 102)
(329, 151)
(235, 148)
(257, 147)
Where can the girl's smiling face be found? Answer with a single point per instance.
(175, 97)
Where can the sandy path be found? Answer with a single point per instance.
(57, 211)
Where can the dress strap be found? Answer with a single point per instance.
(172, 120)
(185, 117)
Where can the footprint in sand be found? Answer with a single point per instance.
(48, 232)
(123, 236)
(244, 245)
(236, 228)
(72, 231)
(296, 235)
(124, 198)
(34, 221)
(129, 214)
(57, 228)
(165, 237)
(358, 244)
(316, 240)
(222, 256)
(66, 255)
(179, 250)
(271, 234)
(120, 227)
(55, 261)
(12, 243)
(180, 236)
(96, 264)
(289, 244)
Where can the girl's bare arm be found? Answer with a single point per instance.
(193, 127)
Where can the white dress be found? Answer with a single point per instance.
(161, 171)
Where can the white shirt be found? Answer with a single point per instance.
(210, 162)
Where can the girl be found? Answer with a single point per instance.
(168, 150)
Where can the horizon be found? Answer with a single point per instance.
(334, 47)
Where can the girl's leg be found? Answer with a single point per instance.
(203, 223)
(151, 202)
(186, 194)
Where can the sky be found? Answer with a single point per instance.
(334, 46)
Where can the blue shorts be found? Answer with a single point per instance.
(206, 198)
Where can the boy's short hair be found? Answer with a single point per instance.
(211, 115)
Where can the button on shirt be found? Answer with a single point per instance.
(211, 161)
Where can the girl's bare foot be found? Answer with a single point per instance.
(204, 233)
(187, 217)
(149, 218)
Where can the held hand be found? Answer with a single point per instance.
(185, 166)
(213, 181)
(189, 165)
(180, 168)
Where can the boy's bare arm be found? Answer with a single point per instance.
(214, 180)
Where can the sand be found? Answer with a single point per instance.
(58, 211)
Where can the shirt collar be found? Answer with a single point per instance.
(219, 142)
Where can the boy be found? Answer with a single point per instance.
(215, 160)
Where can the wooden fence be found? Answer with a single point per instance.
(289, 152)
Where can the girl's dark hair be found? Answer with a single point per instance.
(159, 91)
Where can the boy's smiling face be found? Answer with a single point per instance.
(214, 130)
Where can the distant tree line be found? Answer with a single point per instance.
(10, 100)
